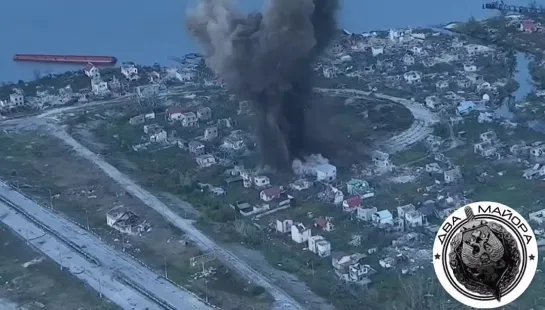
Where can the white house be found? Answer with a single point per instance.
(538, 216)
(299, 233)
(270, 193)
(320, 246)
(377, 51)
(473, 49)
(408, 60)
(418, 50)
(184, 75)
(366, 214)
(157, 134)
(129, 70)
(466, 107)
(174, 113)
(210, 133)
(325, 172)
(383, 217)
(99, 87)
(123, 220)
(329, 72)
(262, 181)
(452, 175)
(91, 71)
(233, 143)
(402, 210)
(206, 160)
(440, 85)
(188, 119)
(488, 136)
(204, 113)
(412, 77)
(432, 102)
(16, 99)
(284, 226)
(341, 263)
(414, 218)
(470, 68)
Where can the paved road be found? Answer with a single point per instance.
(116, 272)
(204, 242)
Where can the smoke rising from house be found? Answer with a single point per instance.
(307, 165)
(266, 58)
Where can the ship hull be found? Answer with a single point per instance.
(66, 59)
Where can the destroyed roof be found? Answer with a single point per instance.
(353, 201)
(320, 222)
(88, 66)
(174, 110)
(272, 191)
(123, 215)
(383, 214)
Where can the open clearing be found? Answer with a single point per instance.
(50, 173)
(31, 281)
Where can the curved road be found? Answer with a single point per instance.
(419, 130)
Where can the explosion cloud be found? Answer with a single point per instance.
(266, 58)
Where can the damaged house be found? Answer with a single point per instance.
(350, 268)
(125, 221)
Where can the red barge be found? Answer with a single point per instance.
(66, 59)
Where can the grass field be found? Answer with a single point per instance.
(50, 173)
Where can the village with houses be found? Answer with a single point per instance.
(469, 139)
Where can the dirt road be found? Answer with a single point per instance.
(420, 129)
(283, 300)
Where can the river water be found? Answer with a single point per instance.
(523, 77)
(151, 31)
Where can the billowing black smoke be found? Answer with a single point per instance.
(267, 58)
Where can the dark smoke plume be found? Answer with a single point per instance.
(266, 58)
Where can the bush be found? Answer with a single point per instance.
(441, 130)
(257, 290)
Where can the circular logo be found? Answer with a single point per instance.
(485, 255)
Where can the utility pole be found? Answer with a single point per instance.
(99, 288)
(122, 242)
(206, 289)
(60, 258)
(165, 261)
(27, 238)
(50, 198)
(87, 219)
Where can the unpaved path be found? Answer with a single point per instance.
(420, 129)
(283, 299)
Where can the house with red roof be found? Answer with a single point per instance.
(91, 71)
(324, 223)
(351, 204)
(528, 26)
